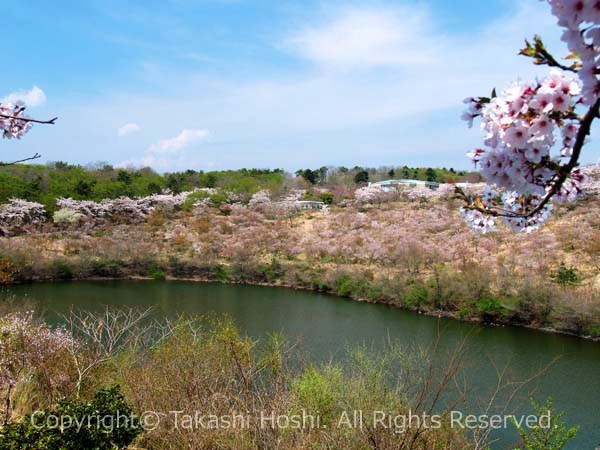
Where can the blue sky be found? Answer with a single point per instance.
(217, 84)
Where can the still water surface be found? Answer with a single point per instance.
(328, 325)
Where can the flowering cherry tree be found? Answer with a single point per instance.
(18, 213)
(29, 351)
(14, 124)
(534, 132)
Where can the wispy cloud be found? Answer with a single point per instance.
(128, 128)
(179, 142)
(32, 97)
(368, 36)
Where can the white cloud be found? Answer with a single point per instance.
(179, 142)
(32, 98)
(128, 128)
(369, 37)
(168, 154)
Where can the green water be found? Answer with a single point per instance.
(327, 325)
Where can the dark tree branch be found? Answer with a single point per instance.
(36, 156)
(28, 119)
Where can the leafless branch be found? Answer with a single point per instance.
(29, 119)
(36, 156)
(100, 336)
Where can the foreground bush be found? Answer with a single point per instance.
(104, 423)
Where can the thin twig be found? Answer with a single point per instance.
(36, 156)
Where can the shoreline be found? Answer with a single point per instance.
(200, 279)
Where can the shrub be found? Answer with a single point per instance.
(548, 436)
(318, 391)
(220, 273)
(7, 271)
(566, 275)
(107, 422)
(326, 198)
(489, 308)
(66, 216)
(61, 269)
(344, 286)
(157, 273)
(416, 297)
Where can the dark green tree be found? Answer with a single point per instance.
(84, 188)
(124, 177)
(361, 177)
(430, 174)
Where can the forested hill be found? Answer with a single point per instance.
(46, 183)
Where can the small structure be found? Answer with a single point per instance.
(390, 185)
(310, 204)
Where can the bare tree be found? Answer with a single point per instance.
(98, 337)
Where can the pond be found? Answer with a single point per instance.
(328, 325)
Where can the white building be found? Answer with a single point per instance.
(390, 185)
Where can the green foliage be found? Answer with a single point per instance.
(46, 183)
(318, 391)
(273, 271)
(346, 286)
(566, 275)
(220, 273)
(361, 177)
(416, 296)
(552, 435)
(490, 307)
(326, 198)
(61, 269)
(104, 423)
(309, 175)
(157, 273)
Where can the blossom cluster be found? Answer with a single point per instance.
(527, 122)
(591, 185)
(17, 213)
(134, 209)
(26, 345)
(12, 124)
(580, 20)
(521, 128)
(261, 197)
(371, 194)
(378, 194)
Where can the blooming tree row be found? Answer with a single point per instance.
(18, 213)
(534, 132)
(135, 209)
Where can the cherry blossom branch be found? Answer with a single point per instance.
(28, 119)
(541, 56)
(583, 132)
(562, 174)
